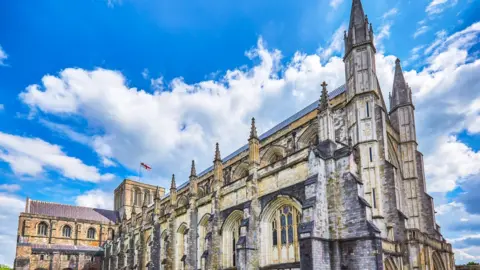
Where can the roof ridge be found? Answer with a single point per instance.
(63, 204)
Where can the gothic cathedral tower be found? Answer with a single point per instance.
(364, 102)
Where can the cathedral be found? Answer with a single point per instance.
(338, 185)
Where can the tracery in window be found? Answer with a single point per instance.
(67, 231)
(42, 229)
(230, 236)
(280, 220)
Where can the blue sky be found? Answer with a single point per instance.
(89, 89)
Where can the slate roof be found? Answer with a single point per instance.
(70, 211)
(275, 129)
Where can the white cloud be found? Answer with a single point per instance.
(11, 208)
(421, 30)
(438, 6)
(384, 30)
(32, 156)
(444, 173)
(97, 143)
(392, 12)
(146, 73)
(335, 3)
(336, 44)
(96, 199)
(3, 56)
(186, 121)
(10, 187)
(157, 84)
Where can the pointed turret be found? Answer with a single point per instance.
(359, 30)
(401, 91)
(193, 179)
(217, 153)
(253, 130)
(193, 170)
(324, 97)
(254, 144)
(173, 191)
(217, 166)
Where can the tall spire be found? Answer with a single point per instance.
(359, 30)
(217, 153)
(193, 171)
(253, 130)
(324, 97)
(401, 91)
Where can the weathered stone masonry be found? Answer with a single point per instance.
(339, 185)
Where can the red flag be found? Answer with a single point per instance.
(145, 166)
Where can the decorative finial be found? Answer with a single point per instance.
(173, 185)
(397, 61)
(217, 153)
(253, 130)
(324, 97)
(193, 171)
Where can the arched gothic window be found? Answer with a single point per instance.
(42, 229)
(91, 233)
(67, 231)
(181, 244)
(202, 242)
(230, 236)
(163, 248)
(148, 252)
(281, 219)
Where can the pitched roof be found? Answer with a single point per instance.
(70, 211)
(276, 128)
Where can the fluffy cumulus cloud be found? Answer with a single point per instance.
(445, 173)
(95, 198)
(33, 156)
(11, 208)
(181, 121)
